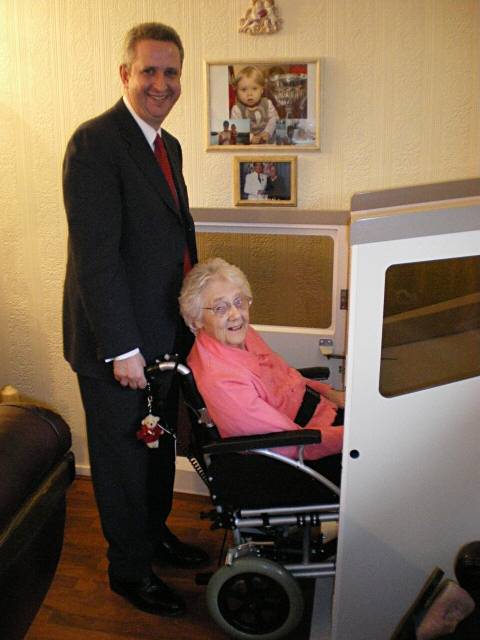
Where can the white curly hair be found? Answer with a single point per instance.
(196, 282)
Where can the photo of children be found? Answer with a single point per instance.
(251, 103)
(270, 103)
(230, 133)
(224, 137)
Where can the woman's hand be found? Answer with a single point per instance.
(337, 397)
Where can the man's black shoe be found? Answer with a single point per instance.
(149, 594)
(178, 554)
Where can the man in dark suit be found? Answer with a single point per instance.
(131, 238)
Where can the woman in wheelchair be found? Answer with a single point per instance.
(248, 389)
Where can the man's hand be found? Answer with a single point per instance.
(130, 372)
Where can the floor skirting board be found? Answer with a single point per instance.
(186, 479)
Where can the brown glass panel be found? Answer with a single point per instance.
(291, 276)
(431, 324)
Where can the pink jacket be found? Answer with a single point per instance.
(255, 391)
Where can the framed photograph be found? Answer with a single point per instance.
(268, 104)
(265, 181)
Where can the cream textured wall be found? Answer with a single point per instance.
(399, 105)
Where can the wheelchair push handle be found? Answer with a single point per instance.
(170, 363)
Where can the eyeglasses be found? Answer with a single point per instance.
(222, 308)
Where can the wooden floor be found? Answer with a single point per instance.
(80, 605)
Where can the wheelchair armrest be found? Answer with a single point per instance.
(263, 441)
(315, 373)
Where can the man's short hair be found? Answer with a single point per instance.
(149, 31)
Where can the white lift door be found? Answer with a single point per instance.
(411, 472)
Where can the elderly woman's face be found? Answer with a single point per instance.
(229, 328)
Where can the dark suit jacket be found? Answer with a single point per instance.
(126, 244)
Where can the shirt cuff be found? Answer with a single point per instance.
(124, 356)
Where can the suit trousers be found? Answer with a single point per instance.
(133, 484)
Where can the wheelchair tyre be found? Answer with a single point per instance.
(255, 599)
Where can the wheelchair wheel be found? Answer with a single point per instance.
(255, 599)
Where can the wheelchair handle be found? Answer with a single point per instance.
(166, 365)
(188, 383)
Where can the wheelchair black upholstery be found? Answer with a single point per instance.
(260, 481)
(266, 500)
(247, 481)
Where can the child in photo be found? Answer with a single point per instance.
(253, 105)
(224, 137)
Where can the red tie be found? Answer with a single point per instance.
(163, 161)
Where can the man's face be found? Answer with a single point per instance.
(258, 167)
(152, 84)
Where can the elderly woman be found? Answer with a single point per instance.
(249, 389)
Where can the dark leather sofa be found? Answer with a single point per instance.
(36, 467)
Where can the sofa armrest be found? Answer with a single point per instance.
(36, 467)
(32, 441)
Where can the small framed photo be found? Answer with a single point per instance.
(265, 181)
(267, 104)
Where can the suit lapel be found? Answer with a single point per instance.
(144, 157)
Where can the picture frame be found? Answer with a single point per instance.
(268, 104)
(265, 181)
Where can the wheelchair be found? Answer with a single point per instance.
(276, 509)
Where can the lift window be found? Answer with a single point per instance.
(431, 324)
(291, 275)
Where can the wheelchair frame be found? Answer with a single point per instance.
(255, 565)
